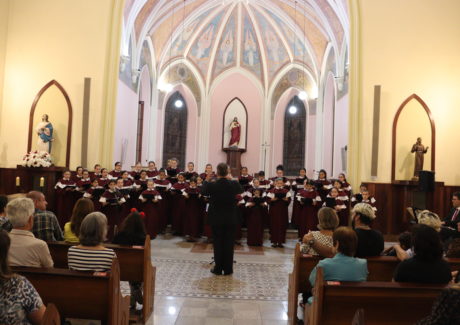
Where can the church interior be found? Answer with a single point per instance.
(308, 93)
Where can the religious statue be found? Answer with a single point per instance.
(235, 130)
(45, 134)
(419, 150)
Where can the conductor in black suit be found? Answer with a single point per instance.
(223, 217)
(451, 224)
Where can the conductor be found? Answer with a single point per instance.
(223, 217)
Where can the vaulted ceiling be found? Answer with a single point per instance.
(259, 36)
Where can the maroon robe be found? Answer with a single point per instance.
(66, 197)
(113, 210)
(139, 186)
(93, 175)
(342, 213)
(279, 217)
(152, 173)
(152, 212)
(83, 184)
(163, 186)
(92, 194)
(203, 176)
(297, 185)
(324, 186)
(194, 214)
(75, 178)
(104, 182)
(178, 208)
(172, 174)
(115, 174)
(255, 221)
(308, 213)
(265, 217)
(135, 175)
(241, 206)
(245, 181)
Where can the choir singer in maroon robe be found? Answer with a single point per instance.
(280, 197)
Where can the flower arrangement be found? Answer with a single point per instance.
(37, 159)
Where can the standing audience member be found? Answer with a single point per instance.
(451, 228)
(46, 225)
(132, 232)
(20, 303)
(4, 222)
(26, 250)
(91, 255)
(320, 242)
(427, 264)
(82, 208)
(370, 241)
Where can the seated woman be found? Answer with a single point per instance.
(4, 222)
(427, 264)
(132, 232)
(20, 303)
(445, 308)
(82, 208)
(91, 255)
(370, 242)
(343, 266)
(320, 242)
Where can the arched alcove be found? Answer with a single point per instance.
(175, 129)
(412, 120)
(294, 136)
(53, 101)
(235, 108)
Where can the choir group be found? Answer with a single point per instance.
(169, 196)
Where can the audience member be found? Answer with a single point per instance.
(20, 303)
(370, 241)
(132, 232)
(451, 223)
(343, 266)
(26, 250)
(445, 309)
(427, 264)
(91, 255)
(81, 209)
(46, 226)
(430, 219)
(453, 250)
(320, 242)
(403, 249)
(4, 222)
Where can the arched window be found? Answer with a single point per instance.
(294, 137)
(175, 129)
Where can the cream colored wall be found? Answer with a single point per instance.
(65, 40)
(408, 47)
(413, 122)
(4, 9)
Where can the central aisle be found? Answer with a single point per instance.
(187, 293)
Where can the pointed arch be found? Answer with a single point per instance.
(69, 122)
(245, 125)
(395, 124)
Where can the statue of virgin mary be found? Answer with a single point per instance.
(45, 134)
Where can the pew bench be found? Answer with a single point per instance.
(82, 295)
(381, 268)
(384, 303)
(135, 265)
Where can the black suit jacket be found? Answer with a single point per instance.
(222, 210)
(452, 223)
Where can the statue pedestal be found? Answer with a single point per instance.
(234, 160)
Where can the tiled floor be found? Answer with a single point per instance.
(174, 309)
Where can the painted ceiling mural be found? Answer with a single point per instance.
(260, 36)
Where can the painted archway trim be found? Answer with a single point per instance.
(247, 121)
(69, 122)
(395, 124)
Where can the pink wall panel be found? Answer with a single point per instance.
(236, 85)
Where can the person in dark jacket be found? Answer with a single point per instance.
(223, 217)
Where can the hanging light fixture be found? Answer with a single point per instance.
(179, 103)
(292, 109)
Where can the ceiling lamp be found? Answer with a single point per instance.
(292, 109)
(179, 103)
(303, 95)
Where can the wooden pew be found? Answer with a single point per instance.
(81, 295)
(381, 268)
(385, 303)
(135, 265)
(51, 316)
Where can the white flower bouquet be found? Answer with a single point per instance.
(37, 159)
